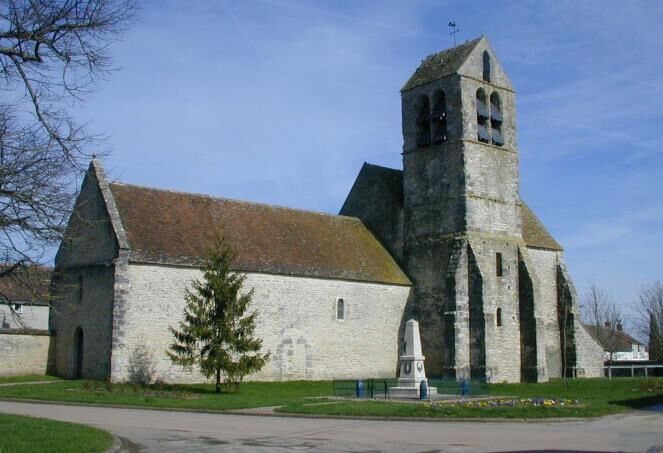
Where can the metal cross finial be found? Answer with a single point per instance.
(454, 30)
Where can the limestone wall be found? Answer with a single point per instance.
(544, 264)
(84, 300)
(22, 354)
(82, 286)
(296, 320)
(502, 343)
(589, 353)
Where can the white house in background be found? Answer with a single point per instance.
(24, 312)
(619, 344)
(24, 300)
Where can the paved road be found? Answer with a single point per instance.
(161, 431)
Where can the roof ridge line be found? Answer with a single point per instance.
(382, 166)
(247, 202)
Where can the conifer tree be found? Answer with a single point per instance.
(216, 333)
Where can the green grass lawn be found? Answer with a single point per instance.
(30, 378)
(27, 434)
(200, 396)
(595, 397)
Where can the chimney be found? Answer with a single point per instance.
(619, 325)
(607, 324)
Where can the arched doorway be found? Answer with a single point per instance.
(77, 368)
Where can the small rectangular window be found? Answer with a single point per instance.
(498, 264)
(18, 309)
(340, 309)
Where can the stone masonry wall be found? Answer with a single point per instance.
(296, 320)
(22, 354)
(531, 304)
(88, 307)
(82, 285)
(502, 343)
(589, 354)
(544, 264)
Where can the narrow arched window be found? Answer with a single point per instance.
(340, 309)
(439, 118)
(496, 119)
(482, 117)
(423, 122)
(486, 66)
(498, 317)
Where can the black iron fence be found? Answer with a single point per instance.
(379, 388)
(611, 371)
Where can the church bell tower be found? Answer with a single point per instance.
(462, 219)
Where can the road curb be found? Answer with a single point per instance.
(11, 384)
(116, 446)
(248, 413)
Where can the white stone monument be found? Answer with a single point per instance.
(412, 370)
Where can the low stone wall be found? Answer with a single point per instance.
(23, 352)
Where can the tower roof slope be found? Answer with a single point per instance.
(176, 228)
(535, 233)
(390, 178)
(441, 64)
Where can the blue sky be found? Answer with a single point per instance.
(281, 102)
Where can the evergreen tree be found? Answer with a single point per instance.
(216, 334)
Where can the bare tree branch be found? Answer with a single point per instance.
(603, 318)
(52, 54)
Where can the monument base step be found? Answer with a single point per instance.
(409, 392)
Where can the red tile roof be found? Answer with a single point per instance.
(26, 284)
(175, 228)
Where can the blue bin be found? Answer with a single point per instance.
(361, 392)
(464, 387)
(423, 390)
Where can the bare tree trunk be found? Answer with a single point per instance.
(218, 380)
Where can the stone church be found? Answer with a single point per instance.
(447, 241)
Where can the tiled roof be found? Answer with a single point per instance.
(175, 228)
(534, 233)
(26, 284)
(623, 342)
(440, 64)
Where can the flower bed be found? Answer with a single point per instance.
(523, 402)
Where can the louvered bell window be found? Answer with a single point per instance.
(495, 108)
(482, 108)
(439, 118)
(496, 119)
(423, 123)
(495, 114)
(497, 137)
(484, 136)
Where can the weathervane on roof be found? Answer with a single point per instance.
(454, 30)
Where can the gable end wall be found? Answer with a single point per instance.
(86, 257)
